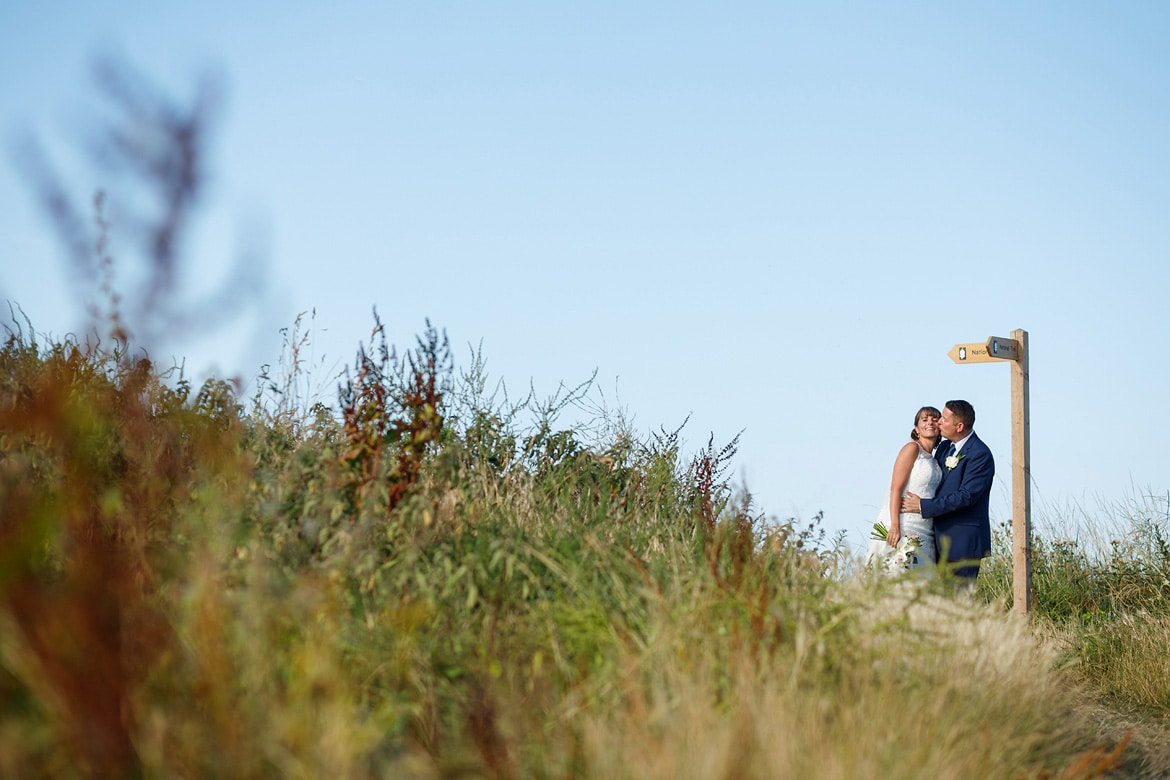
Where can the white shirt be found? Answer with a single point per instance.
(959, 444)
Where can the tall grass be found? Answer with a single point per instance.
(195, 588)
(1102, 584)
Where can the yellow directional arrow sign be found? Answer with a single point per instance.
(993, 350)
(1003, 349)
(971, 353)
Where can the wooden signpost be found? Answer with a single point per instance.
(1014, 350)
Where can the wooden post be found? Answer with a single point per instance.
(1014, 351)
(1021, 482)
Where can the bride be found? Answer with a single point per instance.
(915, 470)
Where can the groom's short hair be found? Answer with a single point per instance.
(964, 411)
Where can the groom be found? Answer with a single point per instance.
(962, 524)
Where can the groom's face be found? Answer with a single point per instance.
(948, 426)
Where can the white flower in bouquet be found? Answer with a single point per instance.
(904, 555)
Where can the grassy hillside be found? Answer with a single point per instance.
(421, 580)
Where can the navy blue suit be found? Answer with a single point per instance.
(962, 521)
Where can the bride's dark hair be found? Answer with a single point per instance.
(928, 409)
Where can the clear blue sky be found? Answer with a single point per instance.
(776, 217)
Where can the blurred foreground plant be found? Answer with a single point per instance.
(97, 456)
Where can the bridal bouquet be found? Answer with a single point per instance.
(902, 557)
(904, 554)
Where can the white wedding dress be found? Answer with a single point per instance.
(925, 475)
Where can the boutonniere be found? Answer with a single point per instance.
(952, 461)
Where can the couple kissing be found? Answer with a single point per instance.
(937, 509)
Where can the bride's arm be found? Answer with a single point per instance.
(901, 476)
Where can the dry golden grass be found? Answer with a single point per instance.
(939, 687)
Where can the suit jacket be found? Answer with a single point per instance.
(962, 522)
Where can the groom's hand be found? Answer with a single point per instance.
(912, 503)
